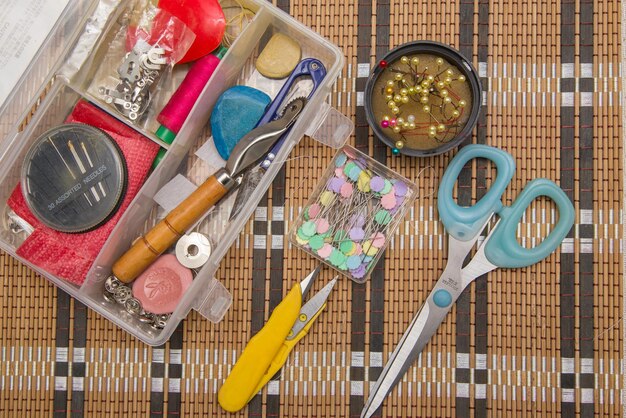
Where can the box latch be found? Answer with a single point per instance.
(213, 303)
(330, 127)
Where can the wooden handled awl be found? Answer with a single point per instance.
(248, 151)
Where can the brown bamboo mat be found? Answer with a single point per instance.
(540, 341)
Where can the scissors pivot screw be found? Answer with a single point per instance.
(442, 298)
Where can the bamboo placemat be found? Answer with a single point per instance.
(540, 341)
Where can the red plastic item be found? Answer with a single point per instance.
(205, 18)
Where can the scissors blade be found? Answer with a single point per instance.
(310, 311)
(415, 338)
(307, 282)
(479, 264)
(426, 322)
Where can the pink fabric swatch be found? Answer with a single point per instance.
(70, 256)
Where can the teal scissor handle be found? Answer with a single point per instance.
(464, 223)
(502, 248)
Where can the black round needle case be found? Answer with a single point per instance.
(74, 178)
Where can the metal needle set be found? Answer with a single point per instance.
(74, 178)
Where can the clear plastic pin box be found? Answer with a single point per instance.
(353, 213)
(53, 89)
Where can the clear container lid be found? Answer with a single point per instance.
(29, 59)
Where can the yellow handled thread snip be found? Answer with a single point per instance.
(267, 351)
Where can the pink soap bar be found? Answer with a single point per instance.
(162, 286)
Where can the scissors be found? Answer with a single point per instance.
(499, 249)
(267, 351)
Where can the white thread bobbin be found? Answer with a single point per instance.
(193, 250)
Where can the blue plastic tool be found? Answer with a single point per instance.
(237, 111)
(463, 223)
(310, 68)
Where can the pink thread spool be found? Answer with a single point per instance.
(180, 104)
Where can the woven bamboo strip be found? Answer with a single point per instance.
(523, 312)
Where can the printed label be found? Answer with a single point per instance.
(24, 25)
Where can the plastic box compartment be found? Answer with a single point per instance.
(206, 294)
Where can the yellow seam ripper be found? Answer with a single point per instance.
(268, 350)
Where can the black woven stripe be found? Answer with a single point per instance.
(568, 144)
(358, 305)
(157, 397)
(379, 152)
(174, 372)
(79, 340)
(586, 162)
(462, 404)
(62, 341)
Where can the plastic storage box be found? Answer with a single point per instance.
(46, 73)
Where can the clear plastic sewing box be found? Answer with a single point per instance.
(44, 88)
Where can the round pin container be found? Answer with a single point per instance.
(423, 98)
(74, 178)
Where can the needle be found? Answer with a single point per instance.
(82, 144)
(62, 159)
(81, 167)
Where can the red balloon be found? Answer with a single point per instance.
(205, 18)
